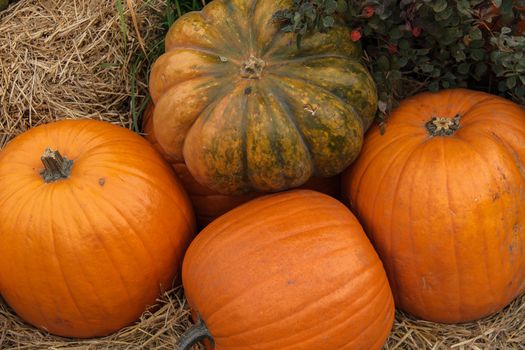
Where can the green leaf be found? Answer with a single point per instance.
(403, 44)
(510, 82)
(477, 54)
(475, 33)
(464, 68)
(480, 69)
(522, 79)
(433, 86)
(383, 64)
(427, 68)
(331, 6)
(342, 6)
(502, 86)
(506, 30)
(396, 33)
(328, 21)
(439, 5)
(394, 75)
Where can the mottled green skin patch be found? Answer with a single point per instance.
(305, 114)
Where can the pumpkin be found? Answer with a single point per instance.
(247, 110)
(209, 204)
(292, 270)
(442, 196)
(88, 237)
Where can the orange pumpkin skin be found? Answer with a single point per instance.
(292, 270)
(85, 255)
(446, 213)
(209, 204)
(247, 111)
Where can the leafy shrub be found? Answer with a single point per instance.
(414, 45)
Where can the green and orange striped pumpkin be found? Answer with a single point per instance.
(247, 110)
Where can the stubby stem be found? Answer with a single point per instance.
(56, 167)
(441, 126)
(252, 68)
(193, 335)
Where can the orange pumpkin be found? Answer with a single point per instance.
(442, 196)
(209, 204)
(247, 110)
(288, 270)
(93, 232)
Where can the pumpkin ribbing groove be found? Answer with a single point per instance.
(386, 307)
(270, 243)
(27, 272)
(136, 233)
(247, 253)
(94, 290)
(341, 100)
(337, 322)
(402, 150)
(55, 255)
(371, 160)
(290, 115)
(95, 234)
(206, 51)
(489, 168)
(448, 193)
(147, 179)
(278, 62)
(410, 226)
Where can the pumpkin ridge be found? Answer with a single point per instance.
(31, 200)
(206, 51)
(345, 114)
(392, 273)
(309, 304)
(280, 62)
(504, 217)
(146, 179)
(228, 39)
(342, 100)
(290, 116)
(512, 152)
(277, 139)
(419, 294)
(453, 226)
(386, 306)
(93, 289)
(102, 244)
(372, 159)
(110, 220)
(52, 232)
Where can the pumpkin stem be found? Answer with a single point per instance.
(193, 335)
(252, 68)
(441, 126)
(56, 167)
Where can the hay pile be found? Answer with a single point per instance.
(83, 59)
(73, 59)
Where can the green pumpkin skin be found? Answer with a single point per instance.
(248, 110)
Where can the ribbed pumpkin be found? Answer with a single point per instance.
(442, 196)
(209, 204)
(292, 270)
(247, 110)
(90, 233)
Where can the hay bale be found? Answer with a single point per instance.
(73, 59)
(83, 59)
